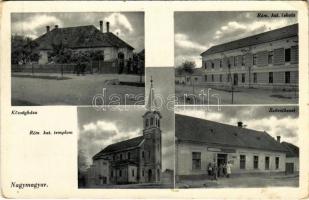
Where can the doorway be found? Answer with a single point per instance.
(235, 79)
(149, 175)
(221, 161)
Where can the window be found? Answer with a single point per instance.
(159, 123)
(196, 160)
(254, 59)
(270, 77)
(243, 77)
(143, 154)
(277, 162)
(114, 157)
(205, 65)
(220, 63)
(147, 122)
(242, 162)
(270, 57)
(120, 172)
(228, 77)
(255, 162)
(254, 78)
(143, 173)
(195, 78)
(151, 121)
(112, 173)
(242, 60)
(267, 163)
(121, 156)
(212, 78)
(205, 78)
(220, 77)
(129, 155)
(287, 55)
(287, 77)
(212, 65)
(133, 172)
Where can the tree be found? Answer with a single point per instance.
(61, 53)
(186, 67)
(23, 50)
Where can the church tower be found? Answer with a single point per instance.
(152, 135)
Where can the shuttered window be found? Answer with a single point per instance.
(242, 162)
(287, 55)
(267, 163)
(277, 162)
(196, 160)
(255, 162)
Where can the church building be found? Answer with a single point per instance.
(137, 160)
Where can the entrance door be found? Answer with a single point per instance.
(149, 175)
(221, 159)
(289, 168)
(235, 79)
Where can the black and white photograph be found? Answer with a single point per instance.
(243, 57)
(131, 148)
(72, 58)
(237, 147)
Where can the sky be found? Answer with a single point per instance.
(98, 129)
(128, 25)
(195, 32)
(254, 117)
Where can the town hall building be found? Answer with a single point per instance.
(266, 60)
(200, 142)
(137, 160)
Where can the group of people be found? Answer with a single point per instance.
(215, 171)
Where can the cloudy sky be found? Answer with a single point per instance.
(128, 25)
(254, 117)
(98, 129)
(195, 32)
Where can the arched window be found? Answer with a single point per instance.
(151, 121)
(147, 122)
(159, 123)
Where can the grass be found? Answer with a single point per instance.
(41, 77)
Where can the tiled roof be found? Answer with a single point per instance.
(126, 144)
(192, 129)
(80, 37)
(269, 36)
(293, 151)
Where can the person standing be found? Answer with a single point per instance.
(209, 169)
(215, 171)
(228, 169)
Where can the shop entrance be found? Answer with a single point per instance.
(221, 159)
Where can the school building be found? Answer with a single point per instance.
(266, 60)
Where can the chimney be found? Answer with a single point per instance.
(56, 26)
(101, 26)
(240, 124)
(278, 138)
(47, 29)
(107, 27)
